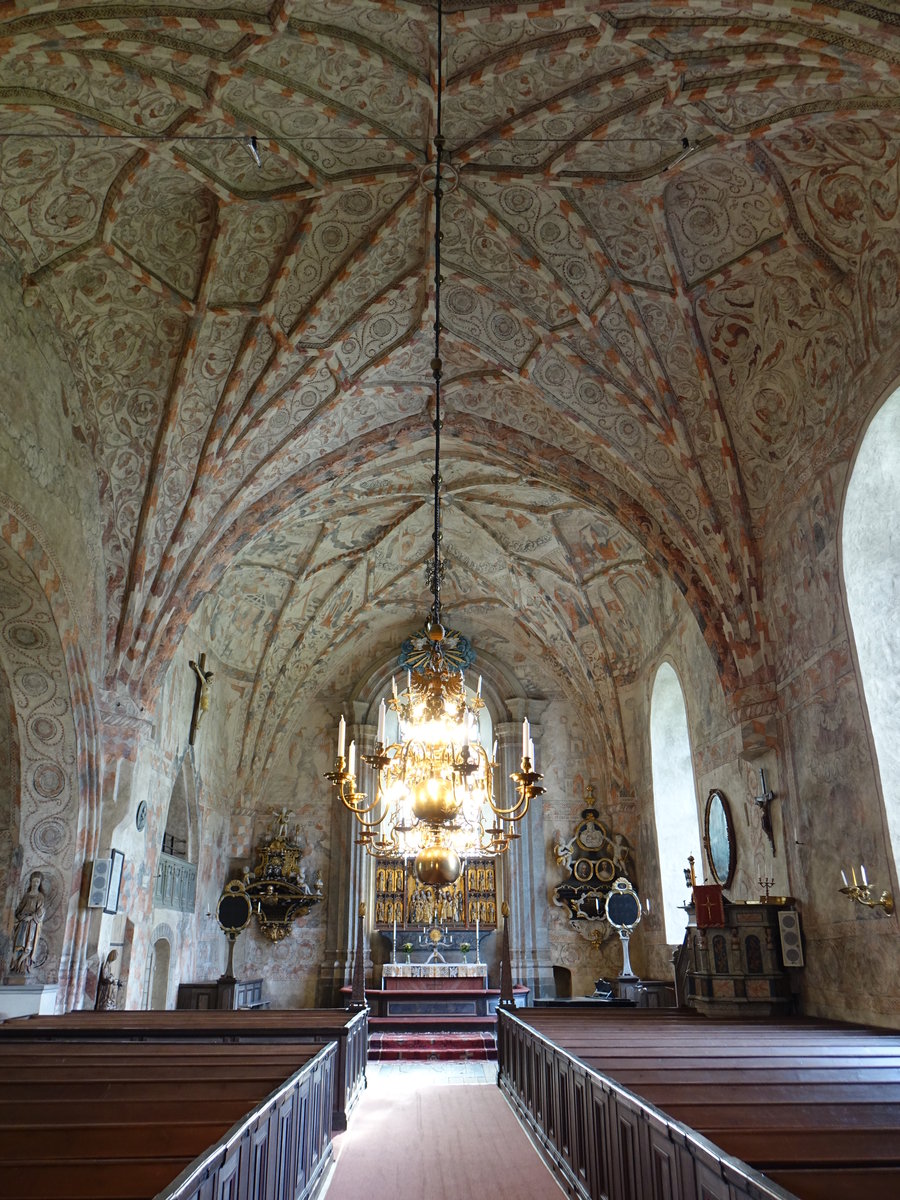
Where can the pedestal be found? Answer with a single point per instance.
(27, 999)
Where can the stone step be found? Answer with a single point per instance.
(434, 1023)
(386, 1047)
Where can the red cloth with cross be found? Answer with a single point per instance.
(708, 905)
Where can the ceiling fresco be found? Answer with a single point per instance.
(673, 241)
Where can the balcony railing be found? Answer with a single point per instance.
(176, 884)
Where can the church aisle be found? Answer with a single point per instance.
(438, 1129)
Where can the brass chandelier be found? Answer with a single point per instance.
(434, 797)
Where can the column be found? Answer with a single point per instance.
(349, 878)
(526, 889)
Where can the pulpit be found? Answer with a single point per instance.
(734, 960)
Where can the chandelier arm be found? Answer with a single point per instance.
(351, 803)
(518, 810)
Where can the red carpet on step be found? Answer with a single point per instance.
(446, 1143)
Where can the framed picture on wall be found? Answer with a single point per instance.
(116, 863)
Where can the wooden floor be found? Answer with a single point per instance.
(814, 1105)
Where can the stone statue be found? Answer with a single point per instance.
(29, 919)
(107, 985)
(621, 853)
(563, 851)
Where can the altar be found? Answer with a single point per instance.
(435, 970)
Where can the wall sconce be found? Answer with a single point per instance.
(862, 892)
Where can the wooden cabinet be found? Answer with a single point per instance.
(225, 994)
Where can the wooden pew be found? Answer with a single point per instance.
(813, 1104)
(257, 1026)
(96, 1126)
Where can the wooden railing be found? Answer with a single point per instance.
(350, 1078)
(279, 1150)
(604, 1142)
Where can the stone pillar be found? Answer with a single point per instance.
(349, 878)
(526, 888)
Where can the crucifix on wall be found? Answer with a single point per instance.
(201, 694)
(762, 802)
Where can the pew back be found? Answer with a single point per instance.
(101, 1122)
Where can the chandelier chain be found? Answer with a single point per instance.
(437, 366)
(434, 796)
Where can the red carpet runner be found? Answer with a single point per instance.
(447, 1142)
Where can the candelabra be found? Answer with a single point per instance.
(863, 893)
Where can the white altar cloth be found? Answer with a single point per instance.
(434, 971)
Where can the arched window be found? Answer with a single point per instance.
(870, 547)
(674, 795)
(176, 878)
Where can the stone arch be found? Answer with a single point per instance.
(675, 810)
(52, 808)
(158, 967)
(26, 565)
(870, 567)
(9, 802)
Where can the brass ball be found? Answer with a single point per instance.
(437, 866)
(436, 633)
(434, 801)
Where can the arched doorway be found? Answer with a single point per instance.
(159, 973)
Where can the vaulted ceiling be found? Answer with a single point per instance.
(644, 348)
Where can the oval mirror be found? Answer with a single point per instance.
(718, 838)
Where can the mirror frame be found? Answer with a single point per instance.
(718, 794)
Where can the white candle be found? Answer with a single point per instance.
(394, 685)
(844, 877)
(526, 734)
(494, 752)
(531, 751)
(862, 871)
(409, 681)
(352, 763)
(342, 736)
(381, 720)
(479, 687)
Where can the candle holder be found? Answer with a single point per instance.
(765, 882)
(862, 893)
(527, 781)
